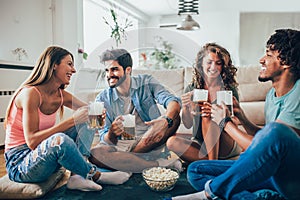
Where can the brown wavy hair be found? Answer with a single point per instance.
(228, 73)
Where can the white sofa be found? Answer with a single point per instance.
(251, 92)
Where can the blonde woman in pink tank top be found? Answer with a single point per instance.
(35, 145)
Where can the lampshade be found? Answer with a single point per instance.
(188, 24)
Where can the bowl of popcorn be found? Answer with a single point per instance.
(160, 178)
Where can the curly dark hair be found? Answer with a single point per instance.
(287, 43)
(120, 55)
(228, 72)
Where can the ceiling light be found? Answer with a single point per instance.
(188, 7)
(188, 24)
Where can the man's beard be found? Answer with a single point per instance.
(120, 81)
(271, 77)
(265, 79)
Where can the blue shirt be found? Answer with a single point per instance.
(145, 92)
(285, 108)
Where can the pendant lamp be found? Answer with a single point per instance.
(188, 8)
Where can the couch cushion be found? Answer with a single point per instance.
(172, 79)
(254, 111)
(250, 89)
(13, 190)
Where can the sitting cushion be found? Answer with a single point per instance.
(13, 190)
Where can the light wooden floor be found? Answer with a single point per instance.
(2, 163)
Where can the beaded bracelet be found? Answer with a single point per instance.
(223, 123)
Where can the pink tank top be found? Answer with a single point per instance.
(14, 128)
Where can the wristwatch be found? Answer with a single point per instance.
(169, 120)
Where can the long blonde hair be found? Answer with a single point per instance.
(42, 72)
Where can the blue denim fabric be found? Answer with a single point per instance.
(83, 137)
(145, 92)
(26, 165)
(270, 162)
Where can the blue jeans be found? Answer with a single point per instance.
(61, 149)
(270, 162)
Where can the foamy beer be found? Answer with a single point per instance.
(199, 97)
(95, 115)
(129, 127)
(226, 97)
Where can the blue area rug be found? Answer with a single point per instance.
(134, 189)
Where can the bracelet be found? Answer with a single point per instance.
(91, 173)
(223, 123)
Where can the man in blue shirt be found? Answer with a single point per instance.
(137, 96)
(271, 157)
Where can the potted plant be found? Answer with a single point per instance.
(118, 30)
(161, 57)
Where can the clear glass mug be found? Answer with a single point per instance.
(199, 97)
(226, 97)
(96, 117)
(129, 127)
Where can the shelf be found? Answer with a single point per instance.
(15, 65)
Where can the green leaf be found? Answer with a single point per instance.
(85, 55)
(118, 31)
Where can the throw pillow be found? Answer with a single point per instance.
(13, 190)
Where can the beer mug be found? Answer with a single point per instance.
(129, 127)
(226, 97)
(96, 120)
(199, 97)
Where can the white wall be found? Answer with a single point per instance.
(220, 21)
(216, 26)
(24, 24)
(34, 25)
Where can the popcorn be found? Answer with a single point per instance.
(160, 178)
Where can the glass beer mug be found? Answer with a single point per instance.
(199, 97)
(226, 97)
(96, 120)
(129, 127)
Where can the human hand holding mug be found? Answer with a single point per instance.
(219, 112)
(186, 99)
(80, 115)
